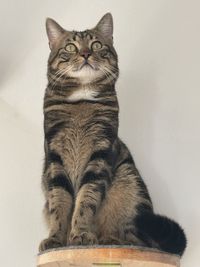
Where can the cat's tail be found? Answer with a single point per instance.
(160, 230)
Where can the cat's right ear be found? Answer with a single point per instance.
(54, 32)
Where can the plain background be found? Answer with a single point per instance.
(158, 42)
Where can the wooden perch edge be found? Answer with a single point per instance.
(112, 256)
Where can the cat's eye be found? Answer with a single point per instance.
(96, 45)
(71, 48)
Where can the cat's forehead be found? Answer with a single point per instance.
(82, 36)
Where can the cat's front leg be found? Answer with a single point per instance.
(59, 197)
(92, 191)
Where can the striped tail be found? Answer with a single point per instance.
(160, 230)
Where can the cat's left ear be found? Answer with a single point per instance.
(54, 32)
(105, 26)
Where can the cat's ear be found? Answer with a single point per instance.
(54, 31)
(105, 26)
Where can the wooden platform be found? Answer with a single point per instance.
(110, 256)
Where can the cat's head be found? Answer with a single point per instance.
(83, 57)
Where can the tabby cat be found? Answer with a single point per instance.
(94, 193)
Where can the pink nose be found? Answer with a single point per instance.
(85, 53)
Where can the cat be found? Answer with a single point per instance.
(93, 190)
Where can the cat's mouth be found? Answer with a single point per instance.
(86, 64)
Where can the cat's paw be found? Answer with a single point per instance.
(77, 238)
(49, 243)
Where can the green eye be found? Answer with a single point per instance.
(96, 45)
(70, 48)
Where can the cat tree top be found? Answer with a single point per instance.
(101, 256)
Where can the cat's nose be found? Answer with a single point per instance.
(85, 53)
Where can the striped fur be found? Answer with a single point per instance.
(93, 191)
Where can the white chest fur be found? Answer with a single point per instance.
(84, 93)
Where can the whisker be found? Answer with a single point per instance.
(59, 75)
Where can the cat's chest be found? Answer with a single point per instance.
(75, 141)
(83, 93)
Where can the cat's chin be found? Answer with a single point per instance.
(86, 74)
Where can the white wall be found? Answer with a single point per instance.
(158, 43)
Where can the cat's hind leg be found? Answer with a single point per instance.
(125, 198)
